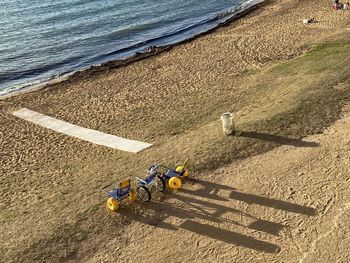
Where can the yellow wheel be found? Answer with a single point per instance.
(174, 183)
(112, 204)
(179, 169)
(132, 195)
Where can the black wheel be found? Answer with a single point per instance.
(160, 184)
(143, 193)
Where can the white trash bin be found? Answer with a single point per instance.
(228, 125)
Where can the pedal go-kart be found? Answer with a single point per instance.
(146, 185)
(122, 191)
(172, 176)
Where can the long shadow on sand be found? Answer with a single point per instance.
(229, 236)
(210, 185)
(271, 202)
(211, 189)
(278, 139)
(206, 204)
(164, 210)
(194, 207)
(219, 210)
(191, 209)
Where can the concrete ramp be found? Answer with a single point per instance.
(89, 135)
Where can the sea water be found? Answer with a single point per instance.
(40, 40)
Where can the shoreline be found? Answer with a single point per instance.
(138, 56)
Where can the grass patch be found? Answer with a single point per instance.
(320, 58)
(290, 100)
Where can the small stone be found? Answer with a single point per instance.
(336, 155)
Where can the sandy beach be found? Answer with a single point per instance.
(277, 193)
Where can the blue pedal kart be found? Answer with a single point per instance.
(146, 185)
(119, 193)
(172, 176)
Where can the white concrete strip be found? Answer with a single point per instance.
(89, 135)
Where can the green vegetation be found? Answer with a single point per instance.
(292, 100)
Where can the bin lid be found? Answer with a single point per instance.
(227, 115)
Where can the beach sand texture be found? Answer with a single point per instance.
(266, 196)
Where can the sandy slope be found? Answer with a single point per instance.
(255, 210)
(287, 205)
